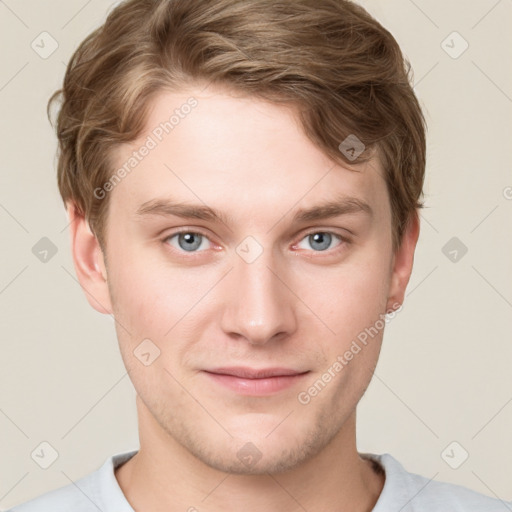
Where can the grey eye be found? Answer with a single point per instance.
(187, 241)
(320, 240)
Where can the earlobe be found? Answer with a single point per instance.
(402, 264)
(89, 261)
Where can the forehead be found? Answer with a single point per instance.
(237, 153)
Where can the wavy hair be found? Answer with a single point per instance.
(342, 70)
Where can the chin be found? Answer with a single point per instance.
(282, 450)
(250, 460)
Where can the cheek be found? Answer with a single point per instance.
(161, 303)
(353, 309)
(349, 298)
(147, 294)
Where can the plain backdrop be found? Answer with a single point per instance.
(442, 390)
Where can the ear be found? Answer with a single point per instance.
(89, 261)
(402, 263)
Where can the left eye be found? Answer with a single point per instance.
(188, 240)
(320, 240)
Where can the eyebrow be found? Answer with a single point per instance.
(326, 210)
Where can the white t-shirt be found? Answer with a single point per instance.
(402, 491)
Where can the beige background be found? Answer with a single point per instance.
(444, 373)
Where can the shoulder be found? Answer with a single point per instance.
(410, 492)
(96, 491)
(73, 496)
(59, 500)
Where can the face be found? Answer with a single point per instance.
(238, 295)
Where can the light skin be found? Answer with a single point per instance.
(298, 305)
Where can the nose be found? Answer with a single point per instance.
(260, 307)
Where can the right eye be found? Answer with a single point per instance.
(186, 241)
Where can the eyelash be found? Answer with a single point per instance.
(343, 241)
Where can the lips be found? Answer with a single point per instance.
(250, 373)
(253, 381)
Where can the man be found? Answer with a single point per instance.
(243, 181)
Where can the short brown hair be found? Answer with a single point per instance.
(342, 70)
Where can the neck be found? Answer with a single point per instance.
(164, 476)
